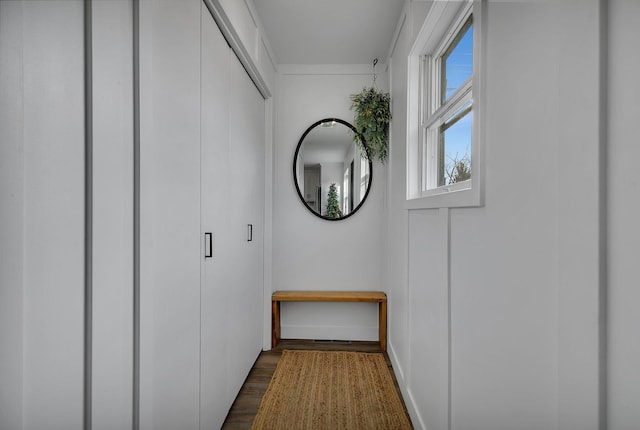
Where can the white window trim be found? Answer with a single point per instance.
(440, 25)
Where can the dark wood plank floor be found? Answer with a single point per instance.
(246, 405)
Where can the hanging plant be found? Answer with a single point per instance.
(372, 116)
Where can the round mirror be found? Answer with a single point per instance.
(332, 177)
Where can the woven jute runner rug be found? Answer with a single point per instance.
(331, 390)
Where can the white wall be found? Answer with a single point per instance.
(396, 230)
(11, 215)
(623, 200)
(54, 214)
(308, 252)
(112, 66)
(501, 303)
(170, 241)
(43, 241)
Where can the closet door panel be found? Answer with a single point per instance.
(216, 194)
(170, 243)
(232, 198)
(247, 157)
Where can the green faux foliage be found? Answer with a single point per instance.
(333, 204)
(372, 116)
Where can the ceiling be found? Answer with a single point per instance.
(329, 31)
(327, 144)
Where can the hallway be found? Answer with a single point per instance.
(153, 197)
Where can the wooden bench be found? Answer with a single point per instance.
(329, 296)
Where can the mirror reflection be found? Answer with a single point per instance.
(331, 175)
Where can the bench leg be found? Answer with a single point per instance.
(382, 325)
(275, 323)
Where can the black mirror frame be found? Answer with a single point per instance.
(295, 177)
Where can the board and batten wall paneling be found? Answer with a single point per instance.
(170, 243)
(396, 238)
(427, 377)
(44, 239)
(524, 317)
(42, 201)
(11, 215)
(623, 191)
(504, 255)
(581, 248)
(53, 125)
(112, 82)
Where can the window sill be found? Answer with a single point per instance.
(447, 197)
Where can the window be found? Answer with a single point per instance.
(346, 197)
(443, 138)
(456, 64)
(364, 176)
(448, 106)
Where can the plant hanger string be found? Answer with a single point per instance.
(375, 61)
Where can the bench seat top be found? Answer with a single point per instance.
(328, 296)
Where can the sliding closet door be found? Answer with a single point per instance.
(232, 211)
(247, 125)
(170, 242)
(216, 194)
(201, 171)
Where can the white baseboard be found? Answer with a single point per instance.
(412, 408)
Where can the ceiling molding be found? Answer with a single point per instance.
(327, 69)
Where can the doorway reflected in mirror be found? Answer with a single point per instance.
(328, 165)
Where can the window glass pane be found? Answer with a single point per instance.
(454, 151)
(364, 176)
(345, 200)
(457, 61)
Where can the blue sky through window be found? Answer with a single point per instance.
(458, 65)
(457, 68)
(457, 140)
